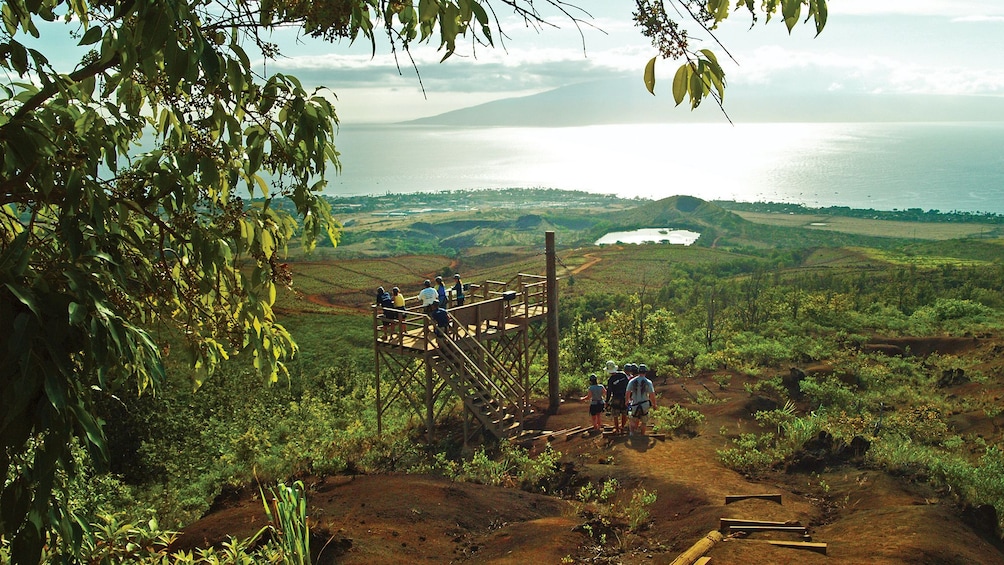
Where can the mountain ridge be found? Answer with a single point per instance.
(624, 101)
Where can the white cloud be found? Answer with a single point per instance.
(784, 68)
(978, 19)
(947, 8)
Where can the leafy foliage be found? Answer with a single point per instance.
(101, 237)
(701, 75)
(677, 419)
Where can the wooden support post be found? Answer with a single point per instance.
(379, 404)
(376, 355)
(553, 386)
(430, 419)
(730, 498)
(698, 550)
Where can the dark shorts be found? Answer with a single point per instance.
(618, 405)
(596, 408)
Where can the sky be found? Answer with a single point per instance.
(868, 46)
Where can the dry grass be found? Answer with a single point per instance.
(864, 226)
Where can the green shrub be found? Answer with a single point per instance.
(676, 419)
(760, 350)
(827, 392)
(636, 512)
(753, 454)
(512, 466)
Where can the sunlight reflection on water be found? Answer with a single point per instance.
(882, 165)
(650, 235)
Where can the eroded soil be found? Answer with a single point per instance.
(864, 515)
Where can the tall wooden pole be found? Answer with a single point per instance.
(553, 389)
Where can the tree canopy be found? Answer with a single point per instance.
(126, 188)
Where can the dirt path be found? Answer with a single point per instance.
(593, 259)
(863, 514)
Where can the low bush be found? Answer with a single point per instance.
(676, 419)
(753, 454)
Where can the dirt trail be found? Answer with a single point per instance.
(862, 514)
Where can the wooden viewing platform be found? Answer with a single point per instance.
(483, 358)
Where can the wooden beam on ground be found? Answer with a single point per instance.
(703, 561)
(809, 545)
(730, 498)
(562, 433)
(698, 550)
(724, 523)
(793, 529)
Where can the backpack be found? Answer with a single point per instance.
(617, 384)
(386, 301)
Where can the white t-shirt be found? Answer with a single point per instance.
(638, 389)
(428, 296)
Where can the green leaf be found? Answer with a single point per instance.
(819, 12)
(77, 313)
(680, 81)
(91, 36)
(650, 75)
(26, 297)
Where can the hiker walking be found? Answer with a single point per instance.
(617, 396)
(641, 399)
(595, 396)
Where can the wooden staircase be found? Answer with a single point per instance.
(496, 399)
(484, 358)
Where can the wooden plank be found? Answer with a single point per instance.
(794, 529)
(563, 433)
(703, 561)
(809, 545)
(724, 523)
(730, 498)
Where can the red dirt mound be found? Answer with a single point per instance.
(863, 515)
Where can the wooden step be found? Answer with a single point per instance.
(724, 523)
(730, 498)
(811, 546)
(746, 528)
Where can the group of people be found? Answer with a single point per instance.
(628, 397)
(435, 300)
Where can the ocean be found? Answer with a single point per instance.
(885, 166)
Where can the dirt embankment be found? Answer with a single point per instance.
(863, 515)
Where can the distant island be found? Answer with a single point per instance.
(624, 101)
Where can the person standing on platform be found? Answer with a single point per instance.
(395, 293)
(441, 293)
(427, 295)
(387, 311)
(458, 290)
